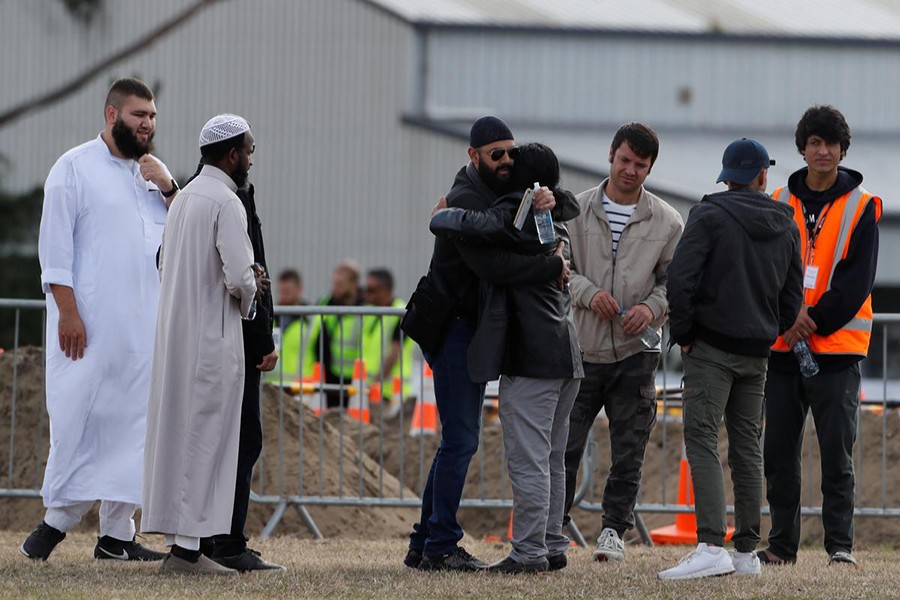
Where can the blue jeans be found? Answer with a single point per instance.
(459, 402)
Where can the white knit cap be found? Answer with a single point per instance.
(222, 127)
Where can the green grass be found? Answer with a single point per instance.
(367, 569)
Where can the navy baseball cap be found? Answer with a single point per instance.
(743, 160)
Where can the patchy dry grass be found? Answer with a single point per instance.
(363, 569)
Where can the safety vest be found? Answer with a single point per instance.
(377, 338)
(823, 250)
(293, 342)
(344, 333)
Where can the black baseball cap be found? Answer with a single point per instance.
(743, 160)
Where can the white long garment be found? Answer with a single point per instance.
(100, 229)
(194, 414)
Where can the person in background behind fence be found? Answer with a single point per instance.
(386, 358)
(734, 286)
(622, 243)
(208, 283)
(290, 293)
(838, 221)
(334, 340)
(104, 209)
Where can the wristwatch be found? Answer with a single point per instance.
(171, 192)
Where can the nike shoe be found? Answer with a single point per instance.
(41, 542)
(109, 548)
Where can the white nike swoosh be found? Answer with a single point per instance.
(123, 556)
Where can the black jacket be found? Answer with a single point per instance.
(854, 276)
(258, 340)
(453, 277)
(526, 329)
(735, 280)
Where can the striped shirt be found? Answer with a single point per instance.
(618, 215)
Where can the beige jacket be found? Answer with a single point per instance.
(637, 275)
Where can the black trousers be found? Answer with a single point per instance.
(833, 398)
(249, 449)
(627, 389)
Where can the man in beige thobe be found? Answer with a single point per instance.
(194, 413)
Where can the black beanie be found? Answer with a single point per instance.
(487, 130)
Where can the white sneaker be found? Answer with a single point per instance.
(609, 546)
(704, 561)
(746, 563)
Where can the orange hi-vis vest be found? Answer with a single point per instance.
(823, 250)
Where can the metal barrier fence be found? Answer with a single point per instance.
(364, 451)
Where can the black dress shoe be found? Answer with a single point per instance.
(455, 560)
(510, 566)
(413, 558)
(557, 561)
(248, 560)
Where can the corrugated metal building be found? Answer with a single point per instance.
(361, 107)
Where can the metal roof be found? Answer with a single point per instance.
(866, 19)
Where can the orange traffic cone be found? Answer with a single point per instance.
(684, 531)
(375, 396)
(358, 404)
(425, 417)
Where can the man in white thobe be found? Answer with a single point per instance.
(103, 215)
(194, 414)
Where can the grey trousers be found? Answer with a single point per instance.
(720, 384)
(534, 414)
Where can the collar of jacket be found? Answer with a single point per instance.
(641, 213)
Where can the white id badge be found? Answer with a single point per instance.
(809, 277)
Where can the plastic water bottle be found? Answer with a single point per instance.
(808, 364)
(649, 337)
(544, 222)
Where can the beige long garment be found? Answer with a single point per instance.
(194, 413)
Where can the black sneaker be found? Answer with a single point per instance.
(109, 548)
(557, 561)
(248, 560)
(455, 560)
(41, 542)
(413, 558)
(510, 566)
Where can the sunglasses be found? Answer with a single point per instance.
(497, 153)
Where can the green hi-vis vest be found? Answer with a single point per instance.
(344, 334)
(377, 340)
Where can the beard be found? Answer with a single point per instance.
(240, 175)
(127, 142)
(499, 184)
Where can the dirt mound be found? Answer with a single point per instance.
(337, 457)
(328, 468)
